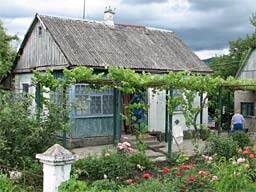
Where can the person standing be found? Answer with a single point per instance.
(237, 121)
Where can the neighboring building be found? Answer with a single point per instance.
(55, 43)
(245, 100)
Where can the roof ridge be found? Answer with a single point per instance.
(102, 22)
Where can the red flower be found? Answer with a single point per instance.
(251, 156)
(192, 178)
(146, 176)
(181, 168)
(131, 181)
(165, 171)
(186, 166)
(188, 182)
(183, 188)
(246, 152)
(178, 174)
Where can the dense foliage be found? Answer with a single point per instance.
(222, 146)
(111, 164)
(21, 135)
(6, 184)
(7, 52)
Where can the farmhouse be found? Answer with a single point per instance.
(245, 99)
(56, 43)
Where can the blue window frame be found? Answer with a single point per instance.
(91, 102)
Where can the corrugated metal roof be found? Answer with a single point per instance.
(96, 44)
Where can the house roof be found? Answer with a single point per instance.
(240, 70)
(95, 44)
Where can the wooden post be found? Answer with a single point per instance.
(228, 110)
(202, 109)
(169, 155)
(117, 116)
(38, 101)
(166, 116)
(219, 110)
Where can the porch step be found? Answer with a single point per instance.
(154, 147)
(155, 156)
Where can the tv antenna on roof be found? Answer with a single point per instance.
(84, 10)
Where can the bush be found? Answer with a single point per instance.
(7, 185)
(104, 184)
(21, 135)
(114, 164)
(222, 146)
(233, 177)
(152, 185)
(73, 185)
(242, 138)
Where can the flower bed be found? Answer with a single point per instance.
(125, 170)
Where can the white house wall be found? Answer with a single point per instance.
(25, 78)
(156, 112)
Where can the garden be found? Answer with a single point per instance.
(227, 162)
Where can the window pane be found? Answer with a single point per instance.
(108, 104)
(82, 105)
(247, 109)
(95, 105)
(250, 109)
(25, 88)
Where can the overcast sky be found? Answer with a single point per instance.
(206, 26)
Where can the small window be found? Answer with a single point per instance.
(25, 88)
(247, 109)
(40, 31)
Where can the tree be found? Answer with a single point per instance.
(7, 52)
(253, 20)
(227, 65)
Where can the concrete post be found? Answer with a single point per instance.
(56, 167)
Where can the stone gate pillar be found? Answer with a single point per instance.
(56, 166)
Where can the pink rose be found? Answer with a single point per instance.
(240, 160)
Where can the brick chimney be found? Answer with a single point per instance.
(108, 16)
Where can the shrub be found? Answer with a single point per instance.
(242, 138)
(21, 135)
(112, 164)
(7, 185)
(104, 184)
(152, 185)
(233, 176)
(73, 185)
(222, 146)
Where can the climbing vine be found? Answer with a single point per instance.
(130, 82)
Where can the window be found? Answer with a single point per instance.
(25, 88)
(91, 102)
(247, 109)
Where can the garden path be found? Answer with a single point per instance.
(186, 146)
